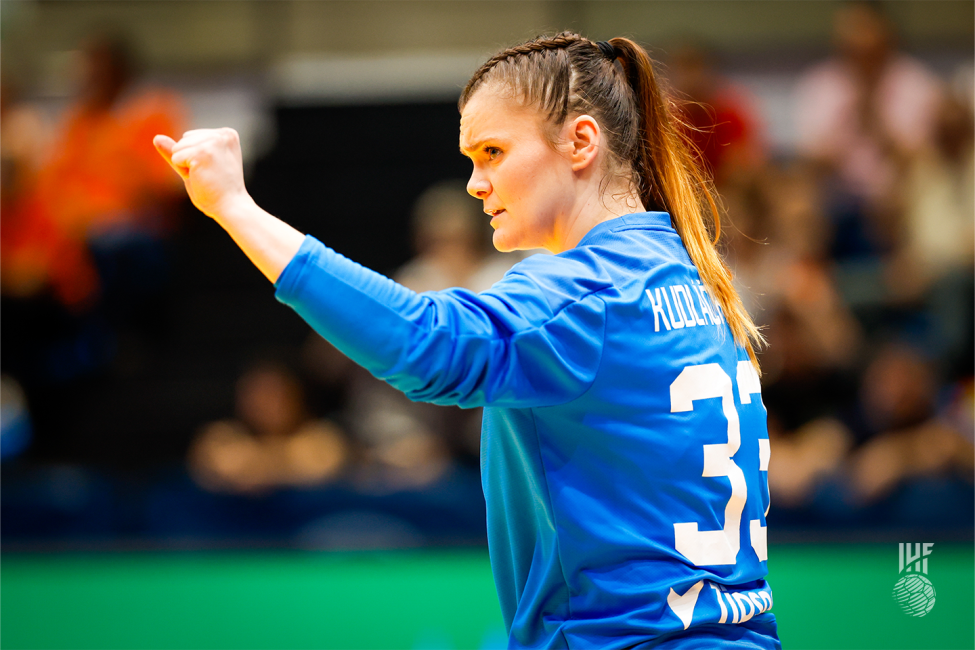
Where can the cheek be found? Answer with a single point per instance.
(510, 183)
(535, 192)
(528, 178)
(548, 194)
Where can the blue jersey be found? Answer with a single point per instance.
(624, 448)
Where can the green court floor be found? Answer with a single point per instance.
(826, 596)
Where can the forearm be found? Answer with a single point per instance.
(210, 163)
(266, 240)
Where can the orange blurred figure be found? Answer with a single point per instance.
(102, 174)
(35, 255)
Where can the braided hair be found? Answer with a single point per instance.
(567, 75)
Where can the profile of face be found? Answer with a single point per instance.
(527, 183)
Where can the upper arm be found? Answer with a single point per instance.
(504, 347)
(533, 339)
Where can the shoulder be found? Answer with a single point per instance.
(634, 246)
(541, 287)
(616, 255)
(566, 277)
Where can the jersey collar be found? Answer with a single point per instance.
(634, 221)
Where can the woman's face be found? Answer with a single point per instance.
(525, 182)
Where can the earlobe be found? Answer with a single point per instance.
(585, 136)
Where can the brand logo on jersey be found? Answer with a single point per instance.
(742, 605)
(913, 590)
(683, 305)
(734, 606)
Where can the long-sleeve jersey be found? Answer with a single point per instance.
(624, 448)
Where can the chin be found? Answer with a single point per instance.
(506, 241)
(502, 242)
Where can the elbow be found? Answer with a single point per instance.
(447, 374)
(464, 389)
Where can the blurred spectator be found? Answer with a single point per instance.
(36, 256)
(805, 459)
(405, 444)
(48, 283)
(329, 374)
(721, 119)
(813, 339)
(801, 283)
(15, 426)
(906, 436)
(104, 174)
(452, 241)
(85, 214)
(271, 443)
(105, 186)
(939, 238)
(932, 271)
(408, 443)
(862, 115)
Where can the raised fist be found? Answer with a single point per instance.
(210, 164)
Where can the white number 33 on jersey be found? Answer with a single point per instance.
(709, 381)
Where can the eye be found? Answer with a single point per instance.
(492, 152)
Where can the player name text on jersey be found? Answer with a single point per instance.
(680, 305)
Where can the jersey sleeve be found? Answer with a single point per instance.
(534, 339)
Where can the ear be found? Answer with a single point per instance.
(585, 137)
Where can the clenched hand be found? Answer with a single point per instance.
(210, 163)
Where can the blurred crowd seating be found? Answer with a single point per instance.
(127, 414)
(856, 253)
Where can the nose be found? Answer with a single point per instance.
(478, 186)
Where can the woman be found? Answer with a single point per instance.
(624, 452)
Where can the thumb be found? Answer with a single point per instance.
(164, 145)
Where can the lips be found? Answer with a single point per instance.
(494, 213)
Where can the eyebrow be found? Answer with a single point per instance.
(474, 147)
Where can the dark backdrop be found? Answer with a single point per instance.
(346, 174)
(350, 174)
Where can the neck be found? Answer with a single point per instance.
(592, 208)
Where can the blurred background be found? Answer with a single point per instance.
(156, 398)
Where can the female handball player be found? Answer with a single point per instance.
(624, 449)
